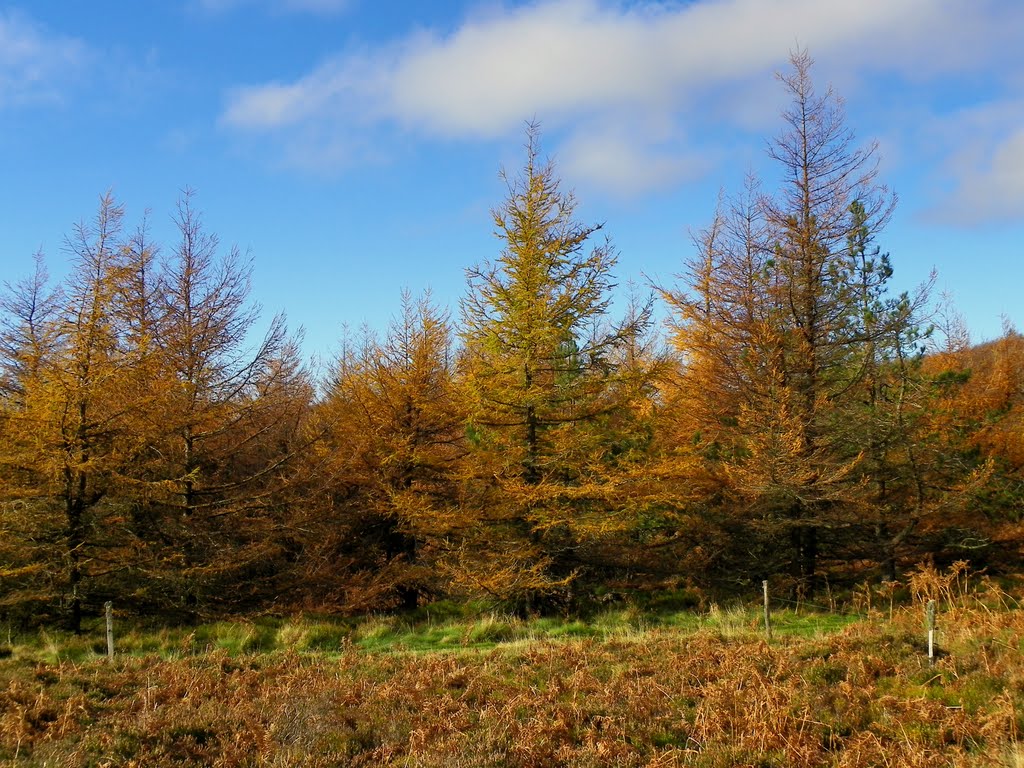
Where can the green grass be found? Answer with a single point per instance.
(429, 630)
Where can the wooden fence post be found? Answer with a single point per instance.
(930, 618)
(110, 629)
(767, 611)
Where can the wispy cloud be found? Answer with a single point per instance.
(591, 69)
(35, 65)
(994, 191)
(628, 161)
(984, 166)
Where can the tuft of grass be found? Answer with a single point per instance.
(236, 638)
(735, 621)
(809, 625)
(376, 633)
(493, 629)
(562, 629)
(321, 636)
(55, 647)
(1013, 756)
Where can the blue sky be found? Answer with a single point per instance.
(353, 146)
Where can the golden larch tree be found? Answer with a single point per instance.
(549, 377)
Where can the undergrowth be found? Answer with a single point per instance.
(621, 689)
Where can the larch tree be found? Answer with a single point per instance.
(723, 327)
(395, 439)
(72, 406)
(829, 192)
(975, 418)
(29, 525)
(546, 371)
(773, 328)
(229, 414)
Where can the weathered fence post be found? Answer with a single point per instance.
(767, 611)
(930, 617)
(110, 629)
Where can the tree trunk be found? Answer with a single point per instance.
(804, 540)
(74, 540)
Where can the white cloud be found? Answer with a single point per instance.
(588, 67)
(967, 157)
(559, 59)
(612, 158)
(329, 92)
(34, 65)
(987, 169)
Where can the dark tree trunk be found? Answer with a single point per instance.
(804, 540)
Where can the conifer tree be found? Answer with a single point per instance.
(73, 395)
(394, 437)
(145, 450)
(230, 418)
(547, 375)
(775, 330)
